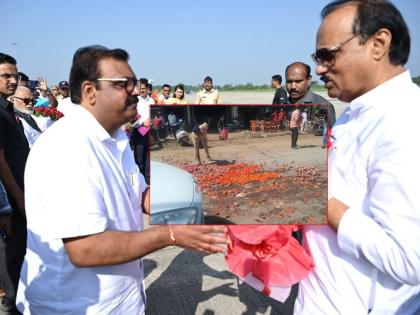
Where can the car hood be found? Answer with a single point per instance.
(170, 187)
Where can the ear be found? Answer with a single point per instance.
(89, 92)
(381, 41)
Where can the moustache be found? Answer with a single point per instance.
(131, 100)
(324, 79)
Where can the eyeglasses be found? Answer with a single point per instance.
(26, 100)
(326, 56)
(128, 83)
(8, 76)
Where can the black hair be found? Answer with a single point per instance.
(166, 85)
(85, 67)
(23, 77)
(181, 87)
(307, 68)
(371, 16)
(144, 81)
(277, 77)
(4, 58)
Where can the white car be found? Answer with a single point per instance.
(175, 197)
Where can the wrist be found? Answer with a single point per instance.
(171, 235)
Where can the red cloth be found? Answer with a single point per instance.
(329, 143)
(269, 253)
(281, 116)
(223, 135)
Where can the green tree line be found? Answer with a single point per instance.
(315, 85)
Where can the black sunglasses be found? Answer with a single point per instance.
(26, 100)
(326, 56)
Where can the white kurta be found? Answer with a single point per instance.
(373, 261)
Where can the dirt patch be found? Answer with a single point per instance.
(257, 178)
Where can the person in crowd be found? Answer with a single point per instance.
(165, 94)
(295, 122)
(304, 123)
(367, 259)
(159, 125)
(178, 98)
(55, 91)
(280, 97)
(298, 83)
(23, 103)
(23, 79)
(199, 135)
(281, 118)
(45, 97)
(86, 258)
(65, 104)
(173, 124)
(139, 139)
(14, 150)
(64, 89)
(208, 95)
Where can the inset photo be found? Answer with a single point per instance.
(238, 164)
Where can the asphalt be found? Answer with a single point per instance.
(185, 282)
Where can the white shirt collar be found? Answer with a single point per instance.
(96, 128)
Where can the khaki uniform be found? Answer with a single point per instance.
(201, 137)
(208, 98)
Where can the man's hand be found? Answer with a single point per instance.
(202, 238)
(6, 223)
(336, 209)
(42, 84)
(146, 201)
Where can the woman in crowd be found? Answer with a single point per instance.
(178, 97)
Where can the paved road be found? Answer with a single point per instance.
(184, 282)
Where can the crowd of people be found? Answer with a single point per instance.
(72, 237)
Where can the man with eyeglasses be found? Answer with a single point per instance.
(367, 259)
(164, 96)
(23, 103)
(14, 151)
(85, 229)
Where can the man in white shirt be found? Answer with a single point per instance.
(368, 258)
(139, 139)
(85, 229)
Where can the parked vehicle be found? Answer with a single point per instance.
(176, 197)
(182, 136)
(318, 127)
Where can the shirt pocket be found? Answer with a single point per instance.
(136, 185)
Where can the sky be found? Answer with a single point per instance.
(235, 42)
